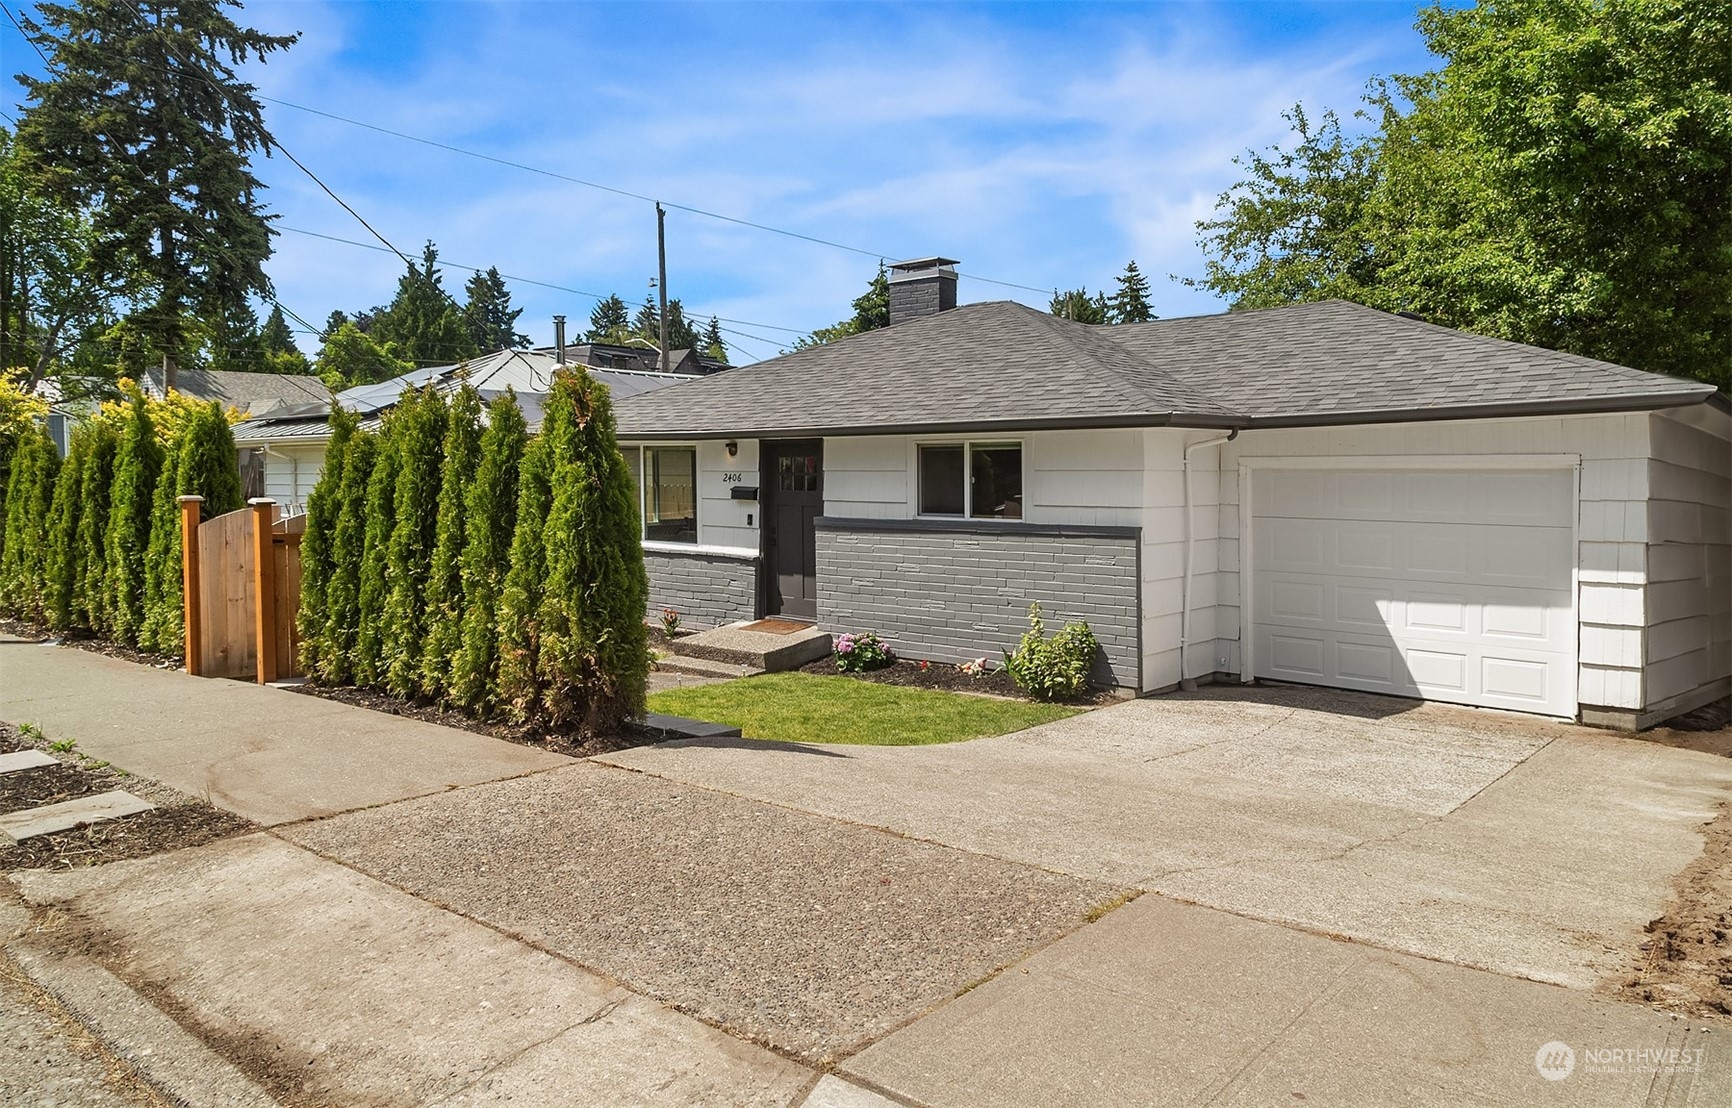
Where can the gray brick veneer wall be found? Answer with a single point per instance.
(707, 590)
(950, 592)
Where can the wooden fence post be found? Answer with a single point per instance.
(189, 606)
(264, 589)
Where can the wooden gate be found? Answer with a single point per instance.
(241, 577)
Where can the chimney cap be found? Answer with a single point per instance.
(916, 269)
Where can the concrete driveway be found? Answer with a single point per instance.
(1529, 848)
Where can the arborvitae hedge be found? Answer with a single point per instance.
(491, 513)
(29, 500)
(516, 690)
(62, 585)
(90, 564)
(201, 462)
(444, 596)
(340, 635)
(420, 434)
(137, 465)
(593, 654)
(367, 662)
(323, 504)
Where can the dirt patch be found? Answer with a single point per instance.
(177, 820)
(575, 746)
(1685, 964)
(84, 640)
(1707, 729)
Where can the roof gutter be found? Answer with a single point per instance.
(1207, 421)
(1506, 410)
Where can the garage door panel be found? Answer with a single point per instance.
(1452, 584)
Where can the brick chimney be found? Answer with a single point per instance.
(921, 286)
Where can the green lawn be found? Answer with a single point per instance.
(803, 708)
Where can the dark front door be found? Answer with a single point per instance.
(793, 497)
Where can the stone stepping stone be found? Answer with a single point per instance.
(50, 818)
(25, 759)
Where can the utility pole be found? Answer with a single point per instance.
(662, 283)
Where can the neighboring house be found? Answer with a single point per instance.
(256, 394)
(610, 356)
(283, 453)
(1323, 493)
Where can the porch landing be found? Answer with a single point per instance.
(760, 646)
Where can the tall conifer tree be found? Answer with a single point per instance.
(444, 585)
(323, 506)
(491, 518)
(137, 466)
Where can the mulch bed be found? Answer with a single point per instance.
(576, 746)
(947, 678)
(177, 821)
(84, 640)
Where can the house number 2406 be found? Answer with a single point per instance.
(733, 478)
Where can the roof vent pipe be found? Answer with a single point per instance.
(559, 339)
(1186, 681)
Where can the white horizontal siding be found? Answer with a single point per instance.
(290, 474)
(1688, 614)
(724, 522)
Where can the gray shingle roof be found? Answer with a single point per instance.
(982, 364)
(257, 393)
(1003, 364)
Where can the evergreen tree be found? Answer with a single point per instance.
(340, 637)
(1130, 303)
(351, 357)
(444, 586)
(29, 502)
(712, 343)
(275, 336)
(62, 569)
(593, 655)
(232, 340)
(871, 311)
(1078, 305)
(90, 590)
(488, 314)
(423, 322)
(681, 335)
(203, 463)
(166, 174)
(517, 690)
(420, 431)
(647, 323)
(324, 504)
(609, 320)
(137, 466)
(334, 323)
(367, 663)
(491, 519)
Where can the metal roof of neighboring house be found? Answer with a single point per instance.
(254, 393)
(527, 372)
(1004, 365)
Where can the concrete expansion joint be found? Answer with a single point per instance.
(601, 1013)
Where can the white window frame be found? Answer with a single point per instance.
(968, 448)
(642, 448)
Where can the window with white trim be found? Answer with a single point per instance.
(973, 480)
(666, 479)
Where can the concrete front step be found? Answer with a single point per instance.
(765, 651)
(704, 667)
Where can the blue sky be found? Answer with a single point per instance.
(1041, 144)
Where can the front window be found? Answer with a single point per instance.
(666, 478)
(976, 480)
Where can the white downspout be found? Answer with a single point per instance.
(1186, 682)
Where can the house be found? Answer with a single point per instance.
(1323, 493)
(256, 394)
(283, 453)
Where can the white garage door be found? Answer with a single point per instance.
(1452, 585)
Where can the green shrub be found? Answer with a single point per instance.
(323, 505)
(137, 466)
(444, 589)
(90, 567)
(340, 635)
(420, 432)
(518, 627)
(593, 655)
(859, 653)
(29, 502)
(491, 519)
(62, 568)
(367, 664)
(201, 462)
(164, 519)
(1056, 668)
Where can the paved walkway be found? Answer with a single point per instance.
(270, 755)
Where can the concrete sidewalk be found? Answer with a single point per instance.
(270, 755)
